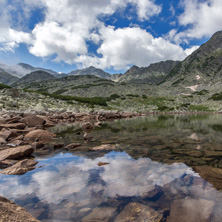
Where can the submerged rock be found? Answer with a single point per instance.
(211, 174)
(190, 210)
(87, 137)
(100, 214)
(9, 211)
(20, 168)
(137, 212)
(16, 153)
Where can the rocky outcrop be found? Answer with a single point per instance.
(11, 212)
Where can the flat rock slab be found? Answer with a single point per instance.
(137, 212)
(13, 126)
(42, 135)
(190, 210)
(20, 168)
(10, 212)
(16, 153)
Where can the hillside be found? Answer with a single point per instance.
(33, 77)
(7, 78)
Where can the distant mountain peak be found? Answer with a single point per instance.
(91, 70)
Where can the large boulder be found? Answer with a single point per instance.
(20, 168)
(16, 153)
(32, 121)
(41, 135)
(137, 212)
(9, 211)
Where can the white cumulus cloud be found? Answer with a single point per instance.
(201, 19)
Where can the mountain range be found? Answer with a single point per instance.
(202, 70)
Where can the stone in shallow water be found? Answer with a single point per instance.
(104, 147)
(73, 146)
(20, 168)
(190, 210)
(10, 212)
(100, 214)
(16, 153)
(102, 163)
(137, 212)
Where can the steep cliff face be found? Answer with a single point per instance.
(153, 74)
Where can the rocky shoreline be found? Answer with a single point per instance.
(23, 133)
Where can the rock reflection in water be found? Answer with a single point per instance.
(71, 188)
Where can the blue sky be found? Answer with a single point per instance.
(64, 35)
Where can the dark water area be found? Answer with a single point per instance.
(161, 168)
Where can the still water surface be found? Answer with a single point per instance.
(163, 168)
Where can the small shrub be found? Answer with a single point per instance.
(3, 86)
(198, 108)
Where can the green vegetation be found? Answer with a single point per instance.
(131, 95)
(201, 93)
(198, 108)
(61, 91)
(177, 82)
(216, 96)
(102, 101)
(3, 86)
(86, 86)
